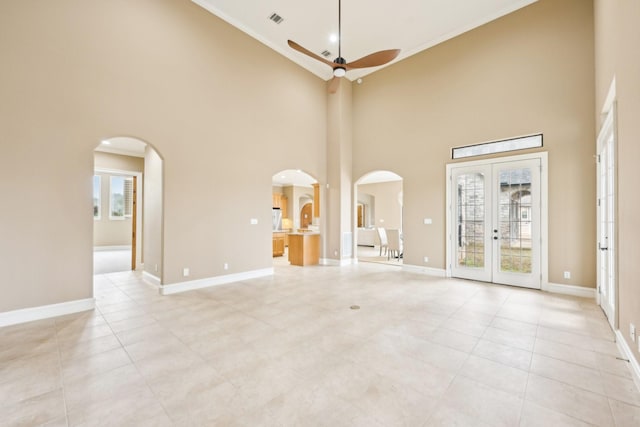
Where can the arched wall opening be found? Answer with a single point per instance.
(378, 217)
(128, 188)
(295, 208)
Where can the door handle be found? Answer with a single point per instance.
(603, 248)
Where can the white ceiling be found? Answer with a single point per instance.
(367, 26)
(123, 145)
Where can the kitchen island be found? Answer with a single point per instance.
(304, 248)
(279, 238)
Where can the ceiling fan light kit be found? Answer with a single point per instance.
(339, 65)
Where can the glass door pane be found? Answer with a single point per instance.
(470, 202)
(516, 224)
(514, 220)
(471, 220)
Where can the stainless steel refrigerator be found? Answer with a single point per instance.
(277, 219)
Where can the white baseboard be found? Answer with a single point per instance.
(626, 352)
(576, 291)
(112, 248)
(429, 271)
(213, 281)
(45, 311)
(337, 262)
(151, 279)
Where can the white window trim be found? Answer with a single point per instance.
(497, 147)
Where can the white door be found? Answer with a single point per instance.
(496, 213)
(606, 219)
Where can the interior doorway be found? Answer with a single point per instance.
(116, 227)
(378, 217)
(361, 213)
(293, 198)
(306, 215)
(118, 206)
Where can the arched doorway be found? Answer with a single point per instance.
(294, 203)
(306, 215)
(378, 218)
(127, 200)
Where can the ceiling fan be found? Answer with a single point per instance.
(339, 65)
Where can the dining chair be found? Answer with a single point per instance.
(384, 243)
(394, 241)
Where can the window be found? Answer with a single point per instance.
(521, 143)
(97, 199)
(121, 199)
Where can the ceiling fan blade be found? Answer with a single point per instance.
(375, 59)
(333, 85)
(307, 52)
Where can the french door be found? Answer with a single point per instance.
(607, 219)
(496, 219)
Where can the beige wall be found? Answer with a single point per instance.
(107, 232)
(387, 211)
(119, 162)
(338, 210)
(158, 71)
(616, 39)
(153, 212)
(528, 72)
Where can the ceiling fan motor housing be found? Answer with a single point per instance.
(338, 70)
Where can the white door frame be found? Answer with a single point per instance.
(544, 208)
(608, 128)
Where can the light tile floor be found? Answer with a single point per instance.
(111, 261)
(372, 254)
(287, 350)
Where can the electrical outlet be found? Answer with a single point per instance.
(226, 266)
(427, 221)
(632, 332)
(254, 221)
(425, 259)
(185, 272)
(567, 275)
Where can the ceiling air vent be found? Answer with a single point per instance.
(326, 53)
(276, 18)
